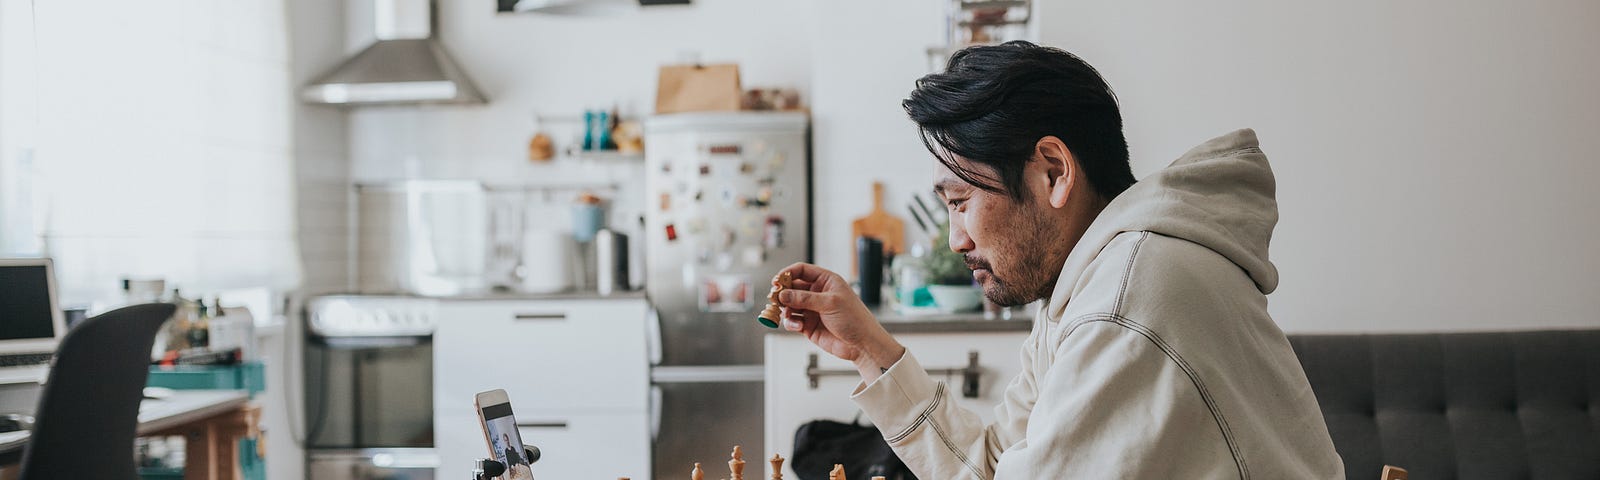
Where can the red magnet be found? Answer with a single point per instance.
(672, 232)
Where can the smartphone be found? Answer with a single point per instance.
(500, 433)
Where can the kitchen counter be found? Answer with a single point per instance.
(515, 295)
(949, 323)
(562, 295)
(917, 325)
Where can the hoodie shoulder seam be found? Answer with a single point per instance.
(1182, 364)
(1127, 273)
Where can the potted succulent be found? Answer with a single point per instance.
(950, 281)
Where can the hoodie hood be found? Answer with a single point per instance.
(1219, 195)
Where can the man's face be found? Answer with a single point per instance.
(1014, 248)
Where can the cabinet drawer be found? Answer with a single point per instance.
(571, 445)
(588, 445)
(546, 354)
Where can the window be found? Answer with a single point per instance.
(148, 139)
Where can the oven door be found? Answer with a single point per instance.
(374, 464)
(366, 394)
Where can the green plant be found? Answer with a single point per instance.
(946, 267)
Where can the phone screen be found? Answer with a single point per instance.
(504, 439)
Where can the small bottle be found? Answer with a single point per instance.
(200, 330)
(177, 329)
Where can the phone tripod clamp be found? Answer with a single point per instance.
(488, 468)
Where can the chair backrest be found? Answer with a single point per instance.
(89, 410)
(1460, 405)
(1391, 472)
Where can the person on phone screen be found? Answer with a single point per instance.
(512, 456)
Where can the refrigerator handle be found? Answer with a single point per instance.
(655, 413)
(652, 336)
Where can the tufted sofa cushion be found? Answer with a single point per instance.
(1509, 405)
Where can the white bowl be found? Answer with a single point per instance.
(956, 298)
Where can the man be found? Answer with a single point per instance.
(1152, 356)
(512, 454)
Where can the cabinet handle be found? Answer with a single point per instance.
(555, 424)
(970, 375)
(541, 316)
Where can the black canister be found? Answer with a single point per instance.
(869, 265)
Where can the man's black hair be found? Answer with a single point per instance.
(992, 104)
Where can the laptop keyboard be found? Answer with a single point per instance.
(23, 360)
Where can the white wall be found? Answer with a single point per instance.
(1435, 159)
(320, 148)
(860, 133)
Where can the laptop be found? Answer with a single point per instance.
(30, 322)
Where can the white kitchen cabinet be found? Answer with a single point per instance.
(576, 371)
(571, 444)
(791, 402)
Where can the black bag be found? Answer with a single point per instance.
(819, 444)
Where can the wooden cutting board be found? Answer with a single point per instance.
(878, 224)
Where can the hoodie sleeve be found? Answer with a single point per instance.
(1113, 405)
(935, 437)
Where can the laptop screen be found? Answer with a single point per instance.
(26, 312)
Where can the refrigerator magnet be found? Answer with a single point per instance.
(710, 295)
(772, 235)
(746, 168)
(705, 169)
(672, 232)
(725, 293)
(666, 202)
(753, 256)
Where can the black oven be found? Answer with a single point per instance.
(369, 388)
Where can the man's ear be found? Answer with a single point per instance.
(1061, 169)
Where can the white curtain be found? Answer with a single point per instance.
(161, 146)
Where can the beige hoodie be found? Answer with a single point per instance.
(1154, 357)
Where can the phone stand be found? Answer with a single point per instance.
(488, 468)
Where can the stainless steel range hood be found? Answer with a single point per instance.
(406, 65)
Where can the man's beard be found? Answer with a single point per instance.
(1030, 275)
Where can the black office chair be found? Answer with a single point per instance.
(89, 410)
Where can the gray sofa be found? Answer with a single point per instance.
(1510, 405)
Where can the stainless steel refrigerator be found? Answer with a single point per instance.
(729, 204)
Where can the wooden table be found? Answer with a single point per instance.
(211, 421)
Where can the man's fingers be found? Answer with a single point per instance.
(803, 300)
(811, 274)
(800, 284)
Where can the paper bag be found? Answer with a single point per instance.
(698, 88)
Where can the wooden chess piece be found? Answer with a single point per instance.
(837, 473)
(777, 466)
(736, 464)
(697, 473)
(771, 315)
